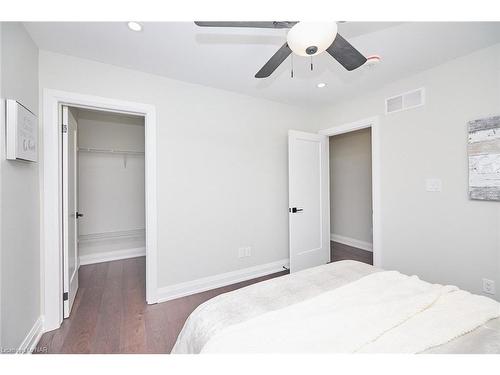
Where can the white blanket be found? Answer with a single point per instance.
(381, 312)
(251, 301)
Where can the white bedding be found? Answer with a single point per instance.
(381, 312)
(341, 315)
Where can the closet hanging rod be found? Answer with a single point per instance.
(110, 151)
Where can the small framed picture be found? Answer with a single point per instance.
(22, 132)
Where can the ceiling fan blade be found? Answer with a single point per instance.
(348, 56)
(275, 61)
(256, 24)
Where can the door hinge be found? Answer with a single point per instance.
(65, 296)
(65, 128)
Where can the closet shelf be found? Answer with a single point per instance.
(110, 151)
(134, 233)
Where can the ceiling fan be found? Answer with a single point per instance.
(303, 39)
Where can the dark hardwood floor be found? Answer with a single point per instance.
(339, 251)
(110, 314)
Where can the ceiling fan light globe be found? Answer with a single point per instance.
(311, 38)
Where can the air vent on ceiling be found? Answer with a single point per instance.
(407, 100)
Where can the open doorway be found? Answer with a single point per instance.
(309, 196)
(52, 218)
(103, 198)
(351, 202)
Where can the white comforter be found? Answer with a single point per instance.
(338, 308)
(381, 312)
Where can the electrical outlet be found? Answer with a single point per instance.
(244, 252)
(488, 286)
(433, 184)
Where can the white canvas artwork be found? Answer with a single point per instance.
(484, 158)
(22, 132)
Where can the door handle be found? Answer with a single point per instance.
(78, 215)
(294, 210)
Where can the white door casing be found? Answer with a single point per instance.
(52, 241)
(70, 208)
(309, 200)
(374, 124)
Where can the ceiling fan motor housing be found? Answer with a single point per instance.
(311, 50)
(311, 38)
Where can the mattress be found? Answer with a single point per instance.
(250, 302)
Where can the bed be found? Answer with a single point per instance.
(343, 307)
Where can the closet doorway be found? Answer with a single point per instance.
(103, 186)
(52, 212)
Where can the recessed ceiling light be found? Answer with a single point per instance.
(134, 26)
(321, 85)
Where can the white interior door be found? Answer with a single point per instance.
(309, 214)
(70, 209)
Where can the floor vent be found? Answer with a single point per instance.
(407, 100)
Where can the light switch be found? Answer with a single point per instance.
(433, 184)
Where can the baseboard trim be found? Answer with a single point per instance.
(112, 255)
(352, 242)
(212, 282)
(31, 340)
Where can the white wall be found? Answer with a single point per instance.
(111, 186)
(2, 120)
(20, 199)
(222, 165)
(442, 237)
(351, 185)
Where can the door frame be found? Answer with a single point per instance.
(374, 124)
(51, 173)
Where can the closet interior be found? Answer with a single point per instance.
(111, 186)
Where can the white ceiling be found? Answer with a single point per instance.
(228, 58)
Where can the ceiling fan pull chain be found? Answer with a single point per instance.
(311, 63)
(292, 67)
